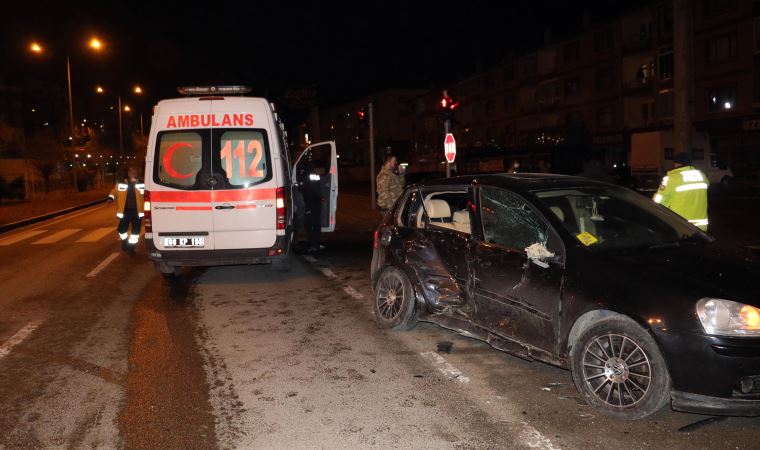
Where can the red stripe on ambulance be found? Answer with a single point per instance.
(232, 195)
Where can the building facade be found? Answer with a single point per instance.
(579, 100)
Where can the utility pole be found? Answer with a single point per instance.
(682, 79)
(372, 154)
(446, 128)
(121, 139)
(71, 122)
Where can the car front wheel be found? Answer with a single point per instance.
(619, 369)
(394, 300)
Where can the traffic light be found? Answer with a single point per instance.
(448, 105)
(361, 116)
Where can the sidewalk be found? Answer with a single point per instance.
(47, 203)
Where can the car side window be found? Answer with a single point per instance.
(509, 221)
(406, 214)
(444, 209)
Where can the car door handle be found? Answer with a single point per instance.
(224, 207)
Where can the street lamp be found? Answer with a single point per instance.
(96, 45)
(124, 108)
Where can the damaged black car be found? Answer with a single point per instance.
(642, 307)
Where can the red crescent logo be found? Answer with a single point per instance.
(167, 160)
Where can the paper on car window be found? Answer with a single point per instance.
(587, 238)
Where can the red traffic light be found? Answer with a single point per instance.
(448, 103)
(361, 114)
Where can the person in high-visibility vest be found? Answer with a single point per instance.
(128, 195)
(684, 191)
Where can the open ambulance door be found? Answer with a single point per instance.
(320, 162)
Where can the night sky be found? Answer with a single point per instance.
(344, 50)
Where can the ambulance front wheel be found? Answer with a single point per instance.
(167, 270)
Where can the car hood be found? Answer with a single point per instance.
(698, 269)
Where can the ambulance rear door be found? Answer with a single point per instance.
(246, 181)
(180, 192)
(321, 159)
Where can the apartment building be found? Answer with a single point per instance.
(581, 98)
(727, 86)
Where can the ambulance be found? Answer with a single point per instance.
(219, 181)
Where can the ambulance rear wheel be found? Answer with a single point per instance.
(168, 271)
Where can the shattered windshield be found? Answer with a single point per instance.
(611, 217)
(509, 221)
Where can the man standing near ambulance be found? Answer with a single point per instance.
(684, 191)
(128, 195)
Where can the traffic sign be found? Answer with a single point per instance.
(450, 148)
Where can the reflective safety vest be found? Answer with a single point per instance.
(119, 193)
(684, 191)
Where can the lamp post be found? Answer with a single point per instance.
(122, 108)
(95, 44)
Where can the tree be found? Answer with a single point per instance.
(46, 168)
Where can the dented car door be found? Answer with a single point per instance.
(440, 256)
(518, 270)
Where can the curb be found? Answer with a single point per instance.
(22, 223)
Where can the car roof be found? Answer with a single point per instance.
(515, 181)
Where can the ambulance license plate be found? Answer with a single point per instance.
(183, 242)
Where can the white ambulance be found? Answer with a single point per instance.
(219, 181)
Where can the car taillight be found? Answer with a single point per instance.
(146, 210)
(281, 209)
(376, 240)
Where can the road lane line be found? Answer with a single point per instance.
(20, 237)
(534, 439)
(97, 234)
(328, 273)
(55, 237)
(445, 367)
(18, 338)
(310, 258)
(353, 292)
(102, 265)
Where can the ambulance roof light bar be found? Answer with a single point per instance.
(206, 90)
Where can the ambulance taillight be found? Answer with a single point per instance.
(146, 210)
(281, 210)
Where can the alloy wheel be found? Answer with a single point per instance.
(616, 370)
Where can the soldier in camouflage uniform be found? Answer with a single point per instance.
(390, 184)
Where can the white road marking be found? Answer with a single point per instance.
(20, 237)
(310, 258)
(55, 237)
(534, 439)
(328, 273)
(102, 265)
(445, 367)
(97, 234)
(353, 292)
(18, 338)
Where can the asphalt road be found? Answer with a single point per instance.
(98, 350)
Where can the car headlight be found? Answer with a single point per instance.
(727, 318)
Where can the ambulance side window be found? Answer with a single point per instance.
(179, 158)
